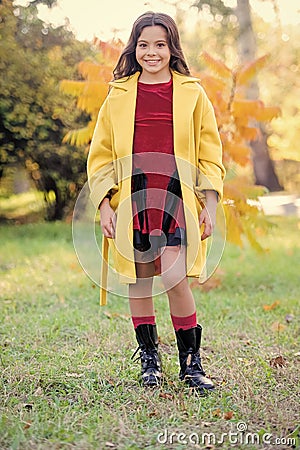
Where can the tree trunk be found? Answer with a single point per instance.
(262, 164)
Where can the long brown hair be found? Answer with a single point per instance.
(127, 64)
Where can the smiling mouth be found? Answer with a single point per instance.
(152, 61)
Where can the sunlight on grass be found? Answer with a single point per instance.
(20, 205)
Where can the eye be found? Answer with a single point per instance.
(142, 45)
(161, 44)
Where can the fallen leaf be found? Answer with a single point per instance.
(272, 306)
(279, 361)
(228, 415)
(277, 327)
(27, 425)
(116, 315)
(217, 412)
(166, 395)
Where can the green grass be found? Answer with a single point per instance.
(67, 378)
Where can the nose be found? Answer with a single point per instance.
(151, 50)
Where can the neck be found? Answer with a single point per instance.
(153, 79)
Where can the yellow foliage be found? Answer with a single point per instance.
(248, 108)
(236, 116)
(248, 71)
(74, 88)
(239, 153)
(80, 137)
(268, 113)
(219, 68)
(92, 91)
(213, 86)
(249, 133)
(233, 224)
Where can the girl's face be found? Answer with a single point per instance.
(153, 55)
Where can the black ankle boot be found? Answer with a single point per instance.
(191, 370)
(146, 336)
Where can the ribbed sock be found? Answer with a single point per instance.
(184, 323)
(143, 320)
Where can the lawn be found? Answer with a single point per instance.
(68, 380)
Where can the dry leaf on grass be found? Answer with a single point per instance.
(279, 361)
(277, 327)
(217, 412)
(166, 395)
(272, 306)
(116, 315)
(228, 415)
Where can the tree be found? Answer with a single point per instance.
(262, 164)
(236, 116)
(34, 115)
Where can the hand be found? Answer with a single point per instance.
(208, 215)
(107, 219)
(208, 219)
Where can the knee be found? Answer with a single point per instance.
(173, 280)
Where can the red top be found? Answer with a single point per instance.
(153, 154)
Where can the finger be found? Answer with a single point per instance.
(106, 231)
(114, 221)
(207, 231)
(112, 231)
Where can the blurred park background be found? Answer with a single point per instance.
(53, 84)
(65, 377)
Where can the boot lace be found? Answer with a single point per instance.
(193, 362)
(148, 357)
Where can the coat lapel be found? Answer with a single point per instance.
(122, 104)
(185, 95)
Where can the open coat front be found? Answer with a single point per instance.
(198, 155)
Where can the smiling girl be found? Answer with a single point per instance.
(155, 170)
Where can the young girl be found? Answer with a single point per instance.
(155, 171)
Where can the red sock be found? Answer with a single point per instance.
(143, 320)
(184, 323)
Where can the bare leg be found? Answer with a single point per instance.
(140, 293)
(180, 296)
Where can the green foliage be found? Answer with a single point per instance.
(34, 114)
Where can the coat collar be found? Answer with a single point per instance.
(127, 83)
(123, 102)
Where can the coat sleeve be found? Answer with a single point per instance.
(211, 169)
(100, 165)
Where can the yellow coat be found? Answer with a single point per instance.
(198, 155)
